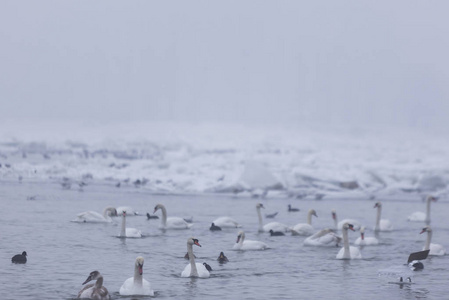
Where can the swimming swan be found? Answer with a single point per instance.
(338, 225)
(435, 249)
(128, 232)
(242, 244)
(94, 291)
(305, 229)
(348, 252)
(194, 269)
(381, 224)
(226, 222)
(275, 226)
(94, 217)
(365, 240)
(324, 237)
(419, 216)
(172, 222)
(137, 285)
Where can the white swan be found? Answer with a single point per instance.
(348, 252)
(128, 232)
(194, 269)
(435, 249)
(94, 291)
(129, 210)
(305, 229)
(137, 285)
(94, 217)
(419, 216)
(365, 240)
(242, 244)
(172, 222)
(226, 222)
(381, 224)
(338, 225)
(324, 237)
(275, 226)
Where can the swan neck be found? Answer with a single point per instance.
(336, 222)
(259, 214)
(379, 209)
(193, 270)
(428, 211)
(99, 282)
(137, 276)
(309, 218)
(429, 239)
(346, 253)
(123, 229)
(164, 216)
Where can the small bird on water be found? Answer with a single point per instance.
(19, 258)
(290, 208)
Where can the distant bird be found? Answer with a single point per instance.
(188, 220)
(291, 209)
(222, 258)
(271, 216)
(276, 233)
(214, 228)
(207, 267)
(117, 184)
(20, 258)
(151, 216)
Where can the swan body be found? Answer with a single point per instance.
(381, 224)
(420, 216)
(129, 210)
(194, 269)
(242, 244)
(136, 285)
(324, 237)
(435, 249)
(172, 222)
(348, 252)
(364, 240)
(275, 226)
(338, 225)
(94, 291)
(94, 217)
(128, 232)
(305, 229)
(226, 222)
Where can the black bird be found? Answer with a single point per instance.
(207, 267)
(151, 217)
(214, 228)
(222, 258)
(292, 209)
(271, 216)
(276, 233)
(20, 258)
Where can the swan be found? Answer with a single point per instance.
(94, 291)
(172, 222)
(339, 225)
(94, 217)
(365, 241)
(128, 232)
(130, 211)
(241, 244)
(435, 249)
(324, 237)
(226, 222)
(381, 224)
(420, 216)
(275, 226)
(194, 269)
(305, 229)
(137, 285)
(20, 258)
(348, 252)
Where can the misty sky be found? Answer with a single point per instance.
(332, 62)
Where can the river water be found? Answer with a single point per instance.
(36, 218)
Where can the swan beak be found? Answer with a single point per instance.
(423, 230)
(155, 210)
(351, 227)
(196, 243)
(334, 216)
(140, 270)
(88, 279)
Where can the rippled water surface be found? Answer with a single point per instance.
(62, 253)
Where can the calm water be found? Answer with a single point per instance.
(61, 253)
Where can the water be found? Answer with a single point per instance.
(62, 253)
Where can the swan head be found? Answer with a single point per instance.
(139, 264)
(347, 226)
(426, 229)
(432, 198)
(92, 276)
(157, 207)
(260, 205)
(334, 214)
(312, 212)
(240, 236)
(124, 213)
(193, 241)
(378, 204)
(362, 232)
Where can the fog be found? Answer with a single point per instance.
(378, 63)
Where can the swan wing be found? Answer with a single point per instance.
(202, 271)
(177, 223)
(133, 233)
(276, 226)
(437, 249)
(129, 288)
(226, 222)
(303, 229)
(91, 217)
(253, 245)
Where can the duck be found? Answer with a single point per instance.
(128, 232)
(338, 225)
(137, 285)
(305, 229)
(276, 233)
(365, 241)
(324, 237)
(94, 291)
(435, 249)
(151, 216)
(348, 252)
(242, 244)
(420, 216)
(209, 268)
(20, 258)
(275, 226)
(222, 258)
(213, 227)
(172, 222)
(194, 269)
(291, 209)
(226, 222)
(381, 224)
(95, 217)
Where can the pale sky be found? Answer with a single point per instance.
(331, 62)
